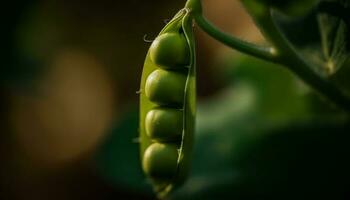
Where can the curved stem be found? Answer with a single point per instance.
(265, 53)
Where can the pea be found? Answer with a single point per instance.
(170, 50)
(166, 87)
(164, 124)
(160, 161)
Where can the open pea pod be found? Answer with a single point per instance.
(168, 105)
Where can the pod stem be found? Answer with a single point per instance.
(265, 53)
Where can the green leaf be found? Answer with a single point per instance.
(320, 38)
(334, 29)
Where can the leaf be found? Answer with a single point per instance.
(320, 38)
(334, 31)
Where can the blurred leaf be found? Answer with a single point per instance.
(117, 160)
(298, 161)
(279, 94)
(334, 29)
(320, 38)
(16, 68)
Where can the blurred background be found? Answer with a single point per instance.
(69, 109)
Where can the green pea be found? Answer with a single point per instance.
(166, 87)
(164, 124)
(160, 161)
(170, 50)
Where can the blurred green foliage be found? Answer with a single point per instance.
(17, 67)
(118, 158)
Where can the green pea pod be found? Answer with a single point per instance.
(168, 105)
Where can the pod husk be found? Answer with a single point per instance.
(182, 20)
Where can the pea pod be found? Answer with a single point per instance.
(168, 105)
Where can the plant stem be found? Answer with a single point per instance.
(265, 53)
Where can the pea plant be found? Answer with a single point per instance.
(168, 84)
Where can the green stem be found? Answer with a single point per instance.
(265, 53)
